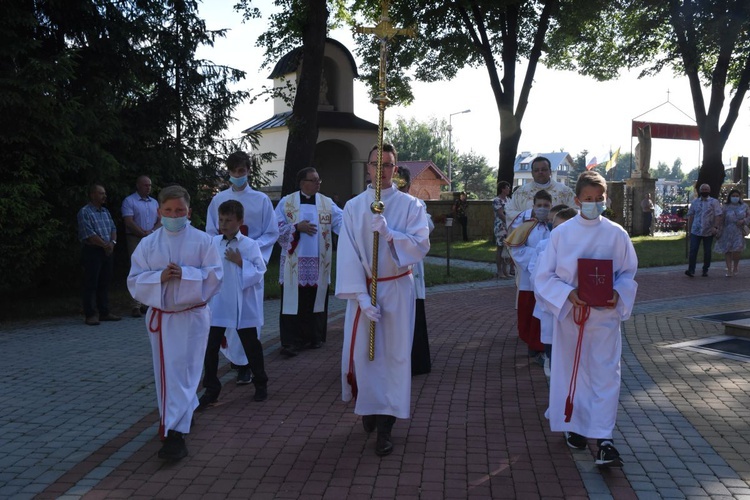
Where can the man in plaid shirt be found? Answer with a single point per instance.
(97, 233)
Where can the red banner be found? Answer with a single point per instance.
(668, 131)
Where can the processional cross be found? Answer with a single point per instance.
(384, 31)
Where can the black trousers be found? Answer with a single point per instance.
(464, 221)
(97, 274)
(420, 349)
(253, 350)
(305, 327)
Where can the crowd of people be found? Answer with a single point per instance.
(202, 292)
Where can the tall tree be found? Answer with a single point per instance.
(418, 140)
(495, 34)
(99, 91)
(705, 40)
(474, 175)
(299, 23)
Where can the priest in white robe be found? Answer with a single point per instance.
(306, 221)
(175, 271)
(523, 197)
(260, 225)
(596, 398)
(382, 387)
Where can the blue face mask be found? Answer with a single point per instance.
(541, 213)
(174, 224)
(735, 199)
(238, 181)
(592, 209)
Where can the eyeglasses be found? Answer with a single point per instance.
(385, 165)
(318, 181)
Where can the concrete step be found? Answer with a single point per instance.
(738, 327)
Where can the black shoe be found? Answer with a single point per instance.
(207, 400)
(384, 445)
(174, 447)
(607, 456)
(368, 422)
(261, 393)
(575, 441)
(688, 273)
(109, 317)
(289, 352)
(144, 309)
(316, 345)
(244, 375)
(705, 274)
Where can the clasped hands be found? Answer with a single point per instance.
(365, 304)
(172, 271)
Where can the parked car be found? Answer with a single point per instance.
(672, 218)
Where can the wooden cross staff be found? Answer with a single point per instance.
(384, 31)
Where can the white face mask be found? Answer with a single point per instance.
(541, 213)
(592, 209)
(174, 224)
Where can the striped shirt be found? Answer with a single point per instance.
(92, 220)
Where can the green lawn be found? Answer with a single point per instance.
(652, 251)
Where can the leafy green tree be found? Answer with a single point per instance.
(706, 40)
(661, 171)
(302, 26)
(99, 92)
(473, 175)
(676, 172)
(417, 140)
(490, 33)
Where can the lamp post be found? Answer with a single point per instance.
(450, 146)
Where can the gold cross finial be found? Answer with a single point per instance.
(385, 30)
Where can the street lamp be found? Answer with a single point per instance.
(450, 146)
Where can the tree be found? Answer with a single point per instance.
(474, 175)
(676, 172)
(415, 140)
(300, 25)
(490, 33)
(661, 171)
(706, 40)
(99, 91)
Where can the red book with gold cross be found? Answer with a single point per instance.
(595, 282)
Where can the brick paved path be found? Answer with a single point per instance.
(78, 416)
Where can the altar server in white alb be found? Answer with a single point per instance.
(239, 304)
(306, 220)
(595, 391)
(382, 387)
(175, 271)
(260, 225)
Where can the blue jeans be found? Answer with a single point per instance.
(695, 241)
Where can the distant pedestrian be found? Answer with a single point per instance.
(140, 212)
(647, 207)
(175, 271)
(587, 342)
(730, 240)
(98, 235)
(460, 211)
(704, 216)
(238, 305)
(502, 255)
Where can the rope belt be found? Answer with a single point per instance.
(580, 316)
(156, 314)
(350, 378)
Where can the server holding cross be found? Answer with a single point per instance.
(376, 250)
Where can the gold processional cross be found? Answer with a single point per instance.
(384, 31)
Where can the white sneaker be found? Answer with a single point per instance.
(547, 367)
